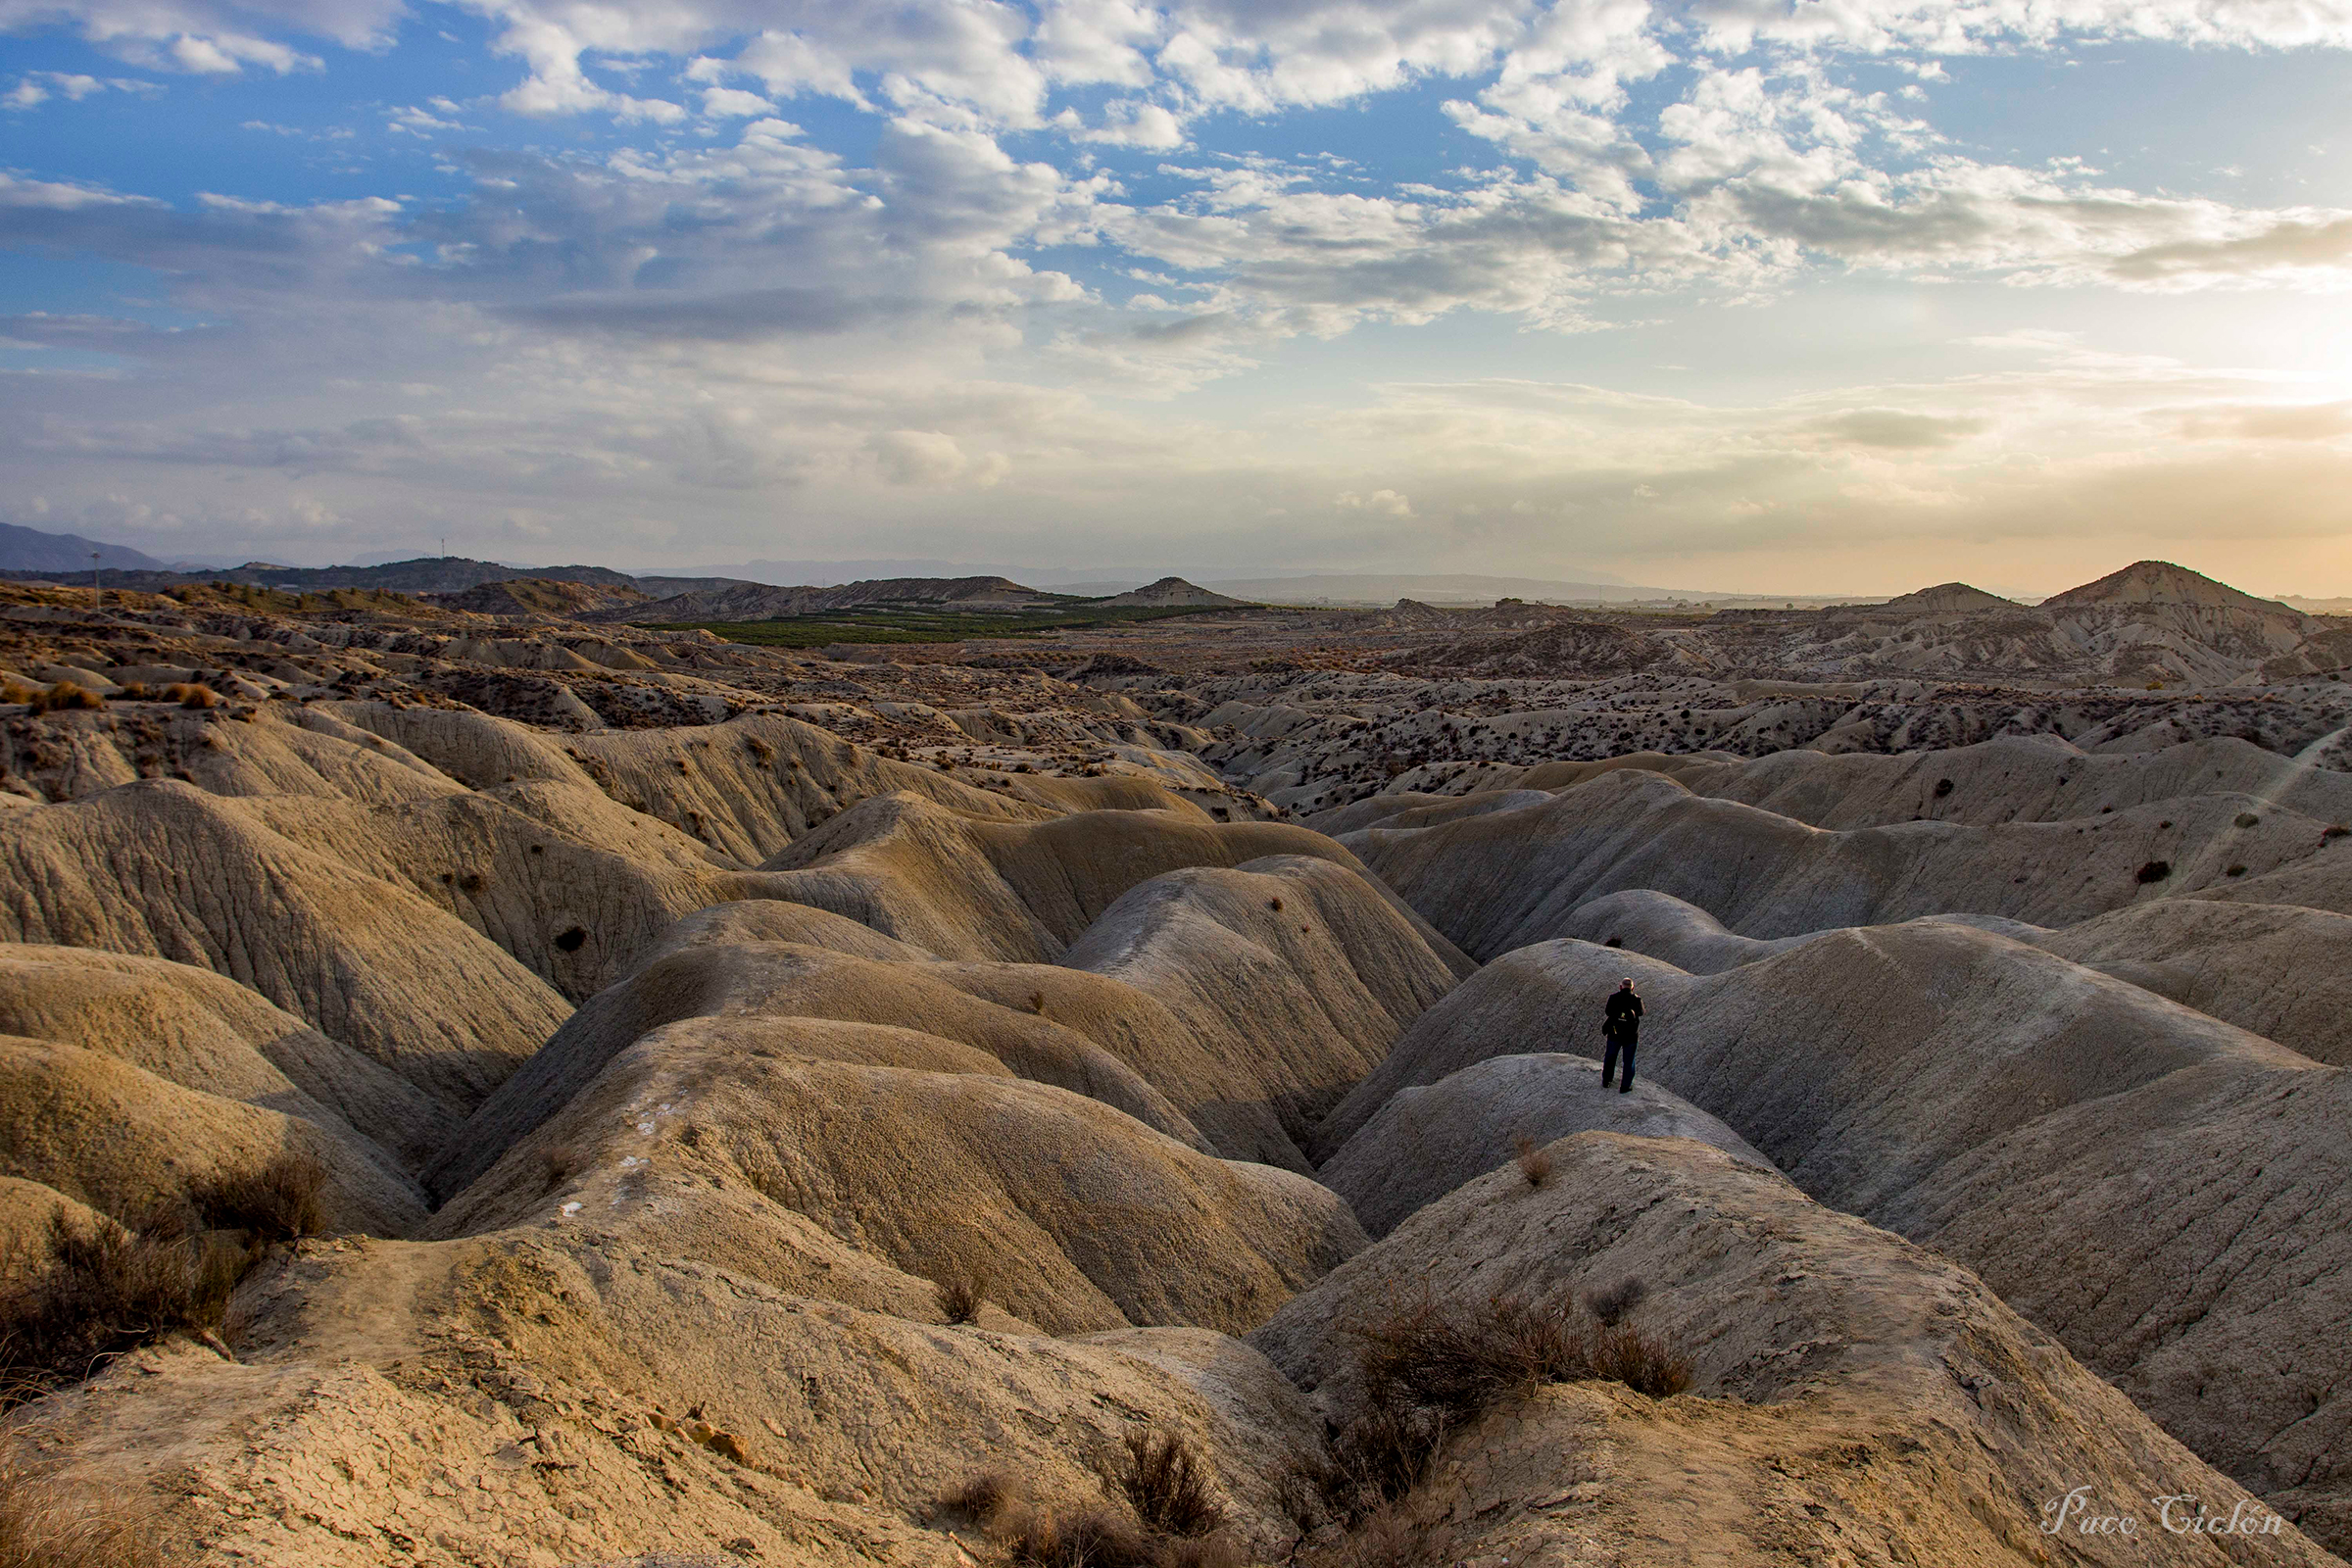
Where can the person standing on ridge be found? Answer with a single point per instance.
(1620, 1028)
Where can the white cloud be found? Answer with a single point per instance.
(926, 332)
(721, 103)
(1387, 503)
(39, 86)
(1128, 122)
(932, 457)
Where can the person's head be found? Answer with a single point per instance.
(1625, 984)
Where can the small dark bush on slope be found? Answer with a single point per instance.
(104, 1291)
(1168, 1484)
(280, 1203)
(1427, 1367)
(961, 1287)
(1612, 1302)
(1534, 1160)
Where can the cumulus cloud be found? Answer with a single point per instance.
(216, 38)
(932, 457)
(1387, 503)
(40, 86)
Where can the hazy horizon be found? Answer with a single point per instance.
(1733, 296)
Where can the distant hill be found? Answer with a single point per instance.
(429, 575)
(1948, 599)
(2160, 582)
(29, 550)
(541, 596)
(751, 601)
(1170, 591)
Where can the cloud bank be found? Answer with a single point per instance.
(990, 278)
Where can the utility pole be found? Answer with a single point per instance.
(97, 594)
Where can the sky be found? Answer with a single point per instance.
(1803, 296)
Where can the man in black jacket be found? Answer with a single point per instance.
(1620, 1028)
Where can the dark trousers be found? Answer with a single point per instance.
(1608, 1060)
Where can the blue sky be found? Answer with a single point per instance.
(1722, 294)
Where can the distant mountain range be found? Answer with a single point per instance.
(35, 554)
(29, 550)
(31, 553)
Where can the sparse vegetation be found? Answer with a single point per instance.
(278, 1202)
(1428, 1366)
(2154, 871)
(65, 696)
(42, 1524)
(1088, 1538)
(1534, 1160)
(191, 693)
(1174, 1525)
(920, 625)
(961, 1287)
(1168, 1484)
(16, 691)
(106, 1290)
(1612, 1302)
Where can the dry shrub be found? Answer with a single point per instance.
(134, 691)
(43, 1526)
(16, 691)
(1163, 1476)
(1534, 1160)
(1387, 1538)
(1090, 1538)
(191, 693)
(961, 1287)
(1170, 1484)
(105, 1290)
(278, 1202)
(1382, 1454)
(1427, 1367)
(65, 697)
(983, 1496)
(1623, 1354)
(1611, 1303)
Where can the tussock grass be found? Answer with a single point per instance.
(191, 693)
(45, 1526)
(962, 1288)
(1534, 1160)
(65, 696)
